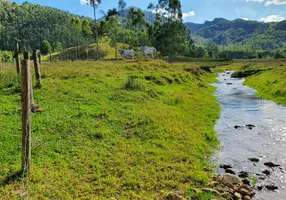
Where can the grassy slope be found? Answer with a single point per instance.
(104, 134)
(105, 47)
(270, 82)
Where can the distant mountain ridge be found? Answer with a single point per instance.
(258, 35)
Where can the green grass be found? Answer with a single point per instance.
(128, 130)
(268, 78)
(270, 84)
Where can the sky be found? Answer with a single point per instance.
(194, 10)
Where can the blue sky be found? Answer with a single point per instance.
(194, 10)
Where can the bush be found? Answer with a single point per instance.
(5, 56)
(132, 84)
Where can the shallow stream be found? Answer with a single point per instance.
(266, 141)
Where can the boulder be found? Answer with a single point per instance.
(246, 181)
(271, 164)
(243, 174)
(229, 179)
(267, 172)
(230, 171)
(271, 187)
(260, 187)
(225, 166)
(237, 195)
(246, 198)
(244, 192)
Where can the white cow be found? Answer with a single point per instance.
(148, 51)
(124, 53)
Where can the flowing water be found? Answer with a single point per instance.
(266, 141)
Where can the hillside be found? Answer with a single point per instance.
(258, 35)
(30, 24)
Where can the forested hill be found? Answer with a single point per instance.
(258, 35)
(30, 24)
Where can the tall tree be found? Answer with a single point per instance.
(94, 4)
(114, 28)
(170, 34)
(121, 8)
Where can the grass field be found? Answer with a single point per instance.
(125, 130)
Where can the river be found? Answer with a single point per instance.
(266, 141)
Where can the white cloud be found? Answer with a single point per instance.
(259, 1)
(272, 18)
(189, 14)
(83, 2)
(275, 2)
(244, 18)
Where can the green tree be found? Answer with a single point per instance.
(58, 47)
(86, 28)
(212, 50)
(94, 4)
(45, 47)
(171, 34)
(121, 8)
(114, 28)
(136, 19)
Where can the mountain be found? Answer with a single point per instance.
(258, 35)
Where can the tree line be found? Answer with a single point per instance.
(52, 30)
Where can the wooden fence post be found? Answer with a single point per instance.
(26, 113)
(40, 57)
(37, 69)
(17, 58)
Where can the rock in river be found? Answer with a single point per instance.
(267, 172)
(271, 187)
(271, 164)
(243, 174)
(254, 159)
(231, 179)
(230, 171)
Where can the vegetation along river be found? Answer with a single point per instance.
(264, 139)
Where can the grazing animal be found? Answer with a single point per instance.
(124, 53)
(148, 51)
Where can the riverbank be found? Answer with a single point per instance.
(126, 130)
(268, 78)
(270, 84)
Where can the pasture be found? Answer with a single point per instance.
(125, 130)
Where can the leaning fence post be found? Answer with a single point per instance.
(37, 69)
(17, 58)
(26, 113)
